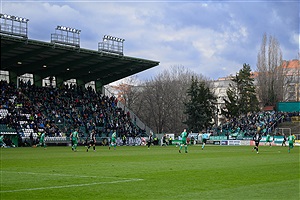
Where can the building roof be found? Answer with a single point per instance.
(291, 64)
(290, 67)
(268, 108)
(23, 55)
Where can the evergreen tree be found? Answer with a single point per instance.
(248, 100)
(231, 108)
(201, 106)
(241, 95)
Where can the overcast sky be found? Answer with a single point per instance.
(212, 38)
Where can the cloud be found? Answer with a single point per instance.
(211, 38)
(294, 38)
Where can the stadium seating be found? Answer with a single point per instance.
(29, 109)
(3, 113)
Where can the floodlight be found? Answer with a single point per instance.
(6, 16)
(7, 25)
(111, 44)
(21, 19)
(64, 28)
(62, 36)
(15, 18)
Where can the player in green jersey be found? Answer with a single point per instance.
(291, 140)
(74, 139)
(183, 141)
(42, 140)
(268, 140)
(2, 144)
(113, 141)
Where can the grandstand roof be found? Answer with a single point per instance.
(23, 55)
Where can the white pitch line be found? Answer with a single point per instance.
(49, 174)
(66, 175)
(68, 186)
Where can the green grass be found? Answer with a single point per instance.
(218, 172)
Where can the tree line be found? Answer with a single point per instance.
(179, 98)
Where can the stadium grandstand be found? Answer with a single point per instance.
(56, 86)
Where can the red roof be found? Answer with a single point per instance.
(268, 108)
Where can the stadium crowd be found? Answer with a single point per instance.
(247, 125)
(61, 110)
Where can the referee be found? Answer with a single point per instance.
(150, 139)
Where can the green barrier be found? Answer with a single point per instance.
(13, 137)
(288, 106)
(275, 139)
(174, 142)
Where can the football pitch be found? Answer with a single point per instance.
(135, 172)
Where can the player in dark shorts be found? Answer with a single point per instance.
(284, 140)
(150, 139)
(92, 141)
(256, 138)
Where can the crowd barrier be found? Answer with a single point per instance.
(130, 141)
(138, 141)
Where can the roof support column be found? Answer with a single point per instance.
(13, 78)
(99, 87)
(59, 82)
(80, 83)
(37, 80)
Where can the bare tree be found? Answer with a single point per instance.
(127, 90)
(271, 73)
(160, 103)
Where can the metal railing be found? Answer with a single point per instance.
(135, 119)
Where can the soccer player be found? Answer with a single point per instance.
(74, 139)
(149, 140)
(42, 140)
(183, 141)
(113, 140)
(256, 138)
(204, 139)
(2, 144)
(284, 140)
(268, 140)
(164, 141)
(291, 140)
(92, 141)
(124, 139)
